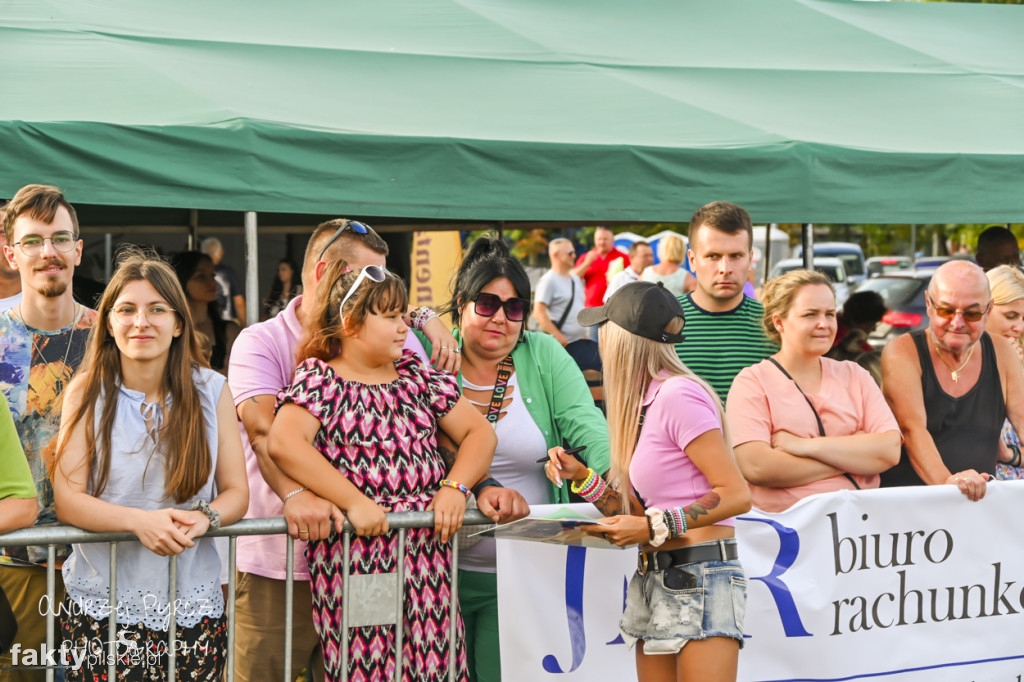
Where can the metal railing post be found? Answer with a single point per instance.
(112, 617)
(230, 608)
(289, 604)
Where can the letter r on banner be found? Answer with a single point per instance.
(789, 548)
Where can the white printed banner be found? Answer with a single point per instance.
(911, 584)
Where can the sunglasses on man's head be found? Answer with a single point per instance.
(354, 225)
(488, 305)
(947, 313)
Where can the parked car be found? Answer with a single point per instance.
(880, 265)
(904, 296)
(851, 254)
(832, 267)
(930, 262)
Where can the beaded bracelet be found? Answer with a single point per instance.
(676, 521)
(420, 316)
(449, 483)
(592, 488)
(650, 528)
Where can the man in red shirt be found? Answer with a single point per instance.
(592, 267)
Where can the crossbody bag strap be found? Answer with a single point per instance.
(572, 299)
(505, 370)
(817, 418)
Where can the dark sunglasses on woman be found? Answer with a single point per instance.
(487, 305)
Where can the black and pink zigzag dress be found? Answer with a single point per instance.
(383, 438)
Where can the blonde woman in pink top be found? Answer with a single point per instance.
(676, 490)
(802, 423)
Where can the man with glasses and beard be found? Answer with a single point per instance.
(951, 386)
(42, 341)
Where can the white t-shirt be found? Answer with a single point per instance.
(9, 302)
(520, 444)
(620, 280)
(555, 291)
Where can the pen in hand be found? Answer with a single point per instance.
(571, 451)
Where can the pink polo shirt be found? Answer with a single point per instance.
(762, 401)
(262, 363)
(679, 410)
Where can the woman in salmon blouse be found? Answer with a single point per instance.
(802, 423)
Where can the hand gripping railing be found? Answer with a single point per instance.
(369, 613)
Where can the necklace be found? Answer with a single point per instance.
(58, 385)
(954, 373)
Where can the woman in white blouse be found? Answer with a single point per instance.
(149, 445)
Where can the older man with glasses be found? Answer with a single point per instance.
(951, 386)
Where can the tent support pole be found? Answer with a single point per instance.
(913, 241)
(108, 255)
(252, 288)
(766, 260)
(193, 230)
(807, 237)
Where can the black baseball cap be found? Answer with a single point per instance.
(642, 308)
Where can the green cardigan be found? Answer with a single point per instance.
(558, 399)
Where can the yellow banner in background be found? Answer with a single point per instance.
(436, 257)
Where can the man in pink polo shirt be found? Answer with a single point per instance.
(262, 363)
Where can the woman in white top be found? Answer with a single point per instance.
(671, 252)
(150, 445)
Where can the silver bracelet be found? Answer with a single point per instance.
(211, 513)
(292, 494)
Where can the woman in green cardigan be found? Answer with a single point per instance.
(535, 397)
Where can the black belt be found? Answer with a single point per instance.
(718, 550)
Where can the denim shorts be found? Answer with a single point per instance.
(707, 599)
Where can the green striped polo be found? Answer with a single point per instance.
(719, 345)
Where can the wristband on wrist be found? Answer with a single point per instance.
(292, 494)
(1015, 460)
(420, 316)
(656, 517)
(211, 513)
(486, 483)
(449, 483)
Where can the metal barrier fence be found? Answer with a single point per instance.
(370, 612)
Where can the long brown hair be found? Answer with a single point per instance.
(182, 438)
(322, 334)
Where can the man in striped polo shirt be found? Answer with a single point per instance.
(723, 326)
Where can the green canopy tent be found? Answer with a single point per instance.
(800, 110)
(575, 110)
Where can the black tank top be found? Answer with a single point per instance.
(966, 429)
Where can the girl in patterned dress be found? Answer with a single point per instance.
(358, 426)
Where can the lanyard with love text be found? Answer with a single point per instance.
(500, 385)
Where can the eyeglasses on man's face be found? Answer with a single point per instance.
(947, 313)
(32, 244)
